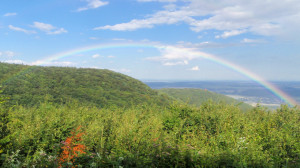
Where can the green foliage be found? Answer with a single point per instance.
(198, 96)
(123, 123)
(212, 135)
(3, 119)
(30, 85)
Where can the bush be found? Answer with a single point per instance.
(213, 135)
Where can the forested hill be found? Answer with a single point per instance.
(198, 96)
(29, 85)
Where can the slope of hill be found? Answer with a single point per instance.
(29, 85)
(198, 96)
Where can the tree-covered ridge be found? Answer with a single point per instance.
(29, 85)
(198, 96)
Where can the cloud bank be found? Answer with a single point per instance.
(233, 18)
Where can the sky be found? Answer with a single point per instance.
(156, 39)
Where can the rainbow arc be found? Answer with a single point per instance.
(275, 90)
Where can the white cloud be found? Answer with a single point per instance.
(48, 28)
(15, 61)
(170, 7)
(63, 63)
(185, 62)
(266, 18)
(227, 34)
(132, 25)
(92, 4)
(246, 40)
(93, 38)
(43, 26)
(205, 44)
(162, 17)
(54, 63)
(125, 70)
(10, 14)
(98, 55)
(21, 29)
(7, 54)
(58, 31)
(171, 55)
(122, 70)
(119, 39)
(95, 55)
(268, 29)
(195, 68)
(95, 67)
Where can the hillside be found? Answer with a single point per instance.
(198, 96)
(29, 85)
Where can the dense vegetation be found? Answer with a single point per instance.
(179, 136)
(70, 131)
(30, 85)
(199, 96)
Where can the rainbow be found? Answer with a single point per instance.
(193, 52)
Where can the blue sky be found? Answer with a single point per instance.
(259, 36)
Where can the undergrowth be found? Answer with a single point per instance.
(212, 135)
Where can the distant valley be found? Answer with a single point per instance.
(246, 91)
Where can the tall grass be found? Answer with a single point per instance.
(212, 135)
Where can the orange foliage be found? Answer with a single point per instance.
(72, 147)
